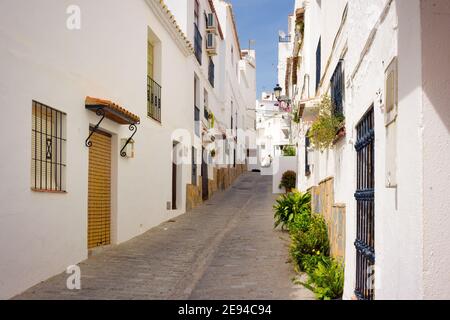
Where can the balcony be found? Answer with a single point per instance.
(153, 99)
(198, 41)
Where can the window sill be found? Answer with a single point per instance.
(154, 120)
(48, 191)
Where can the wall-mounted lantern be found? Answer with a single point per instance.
(127, 148)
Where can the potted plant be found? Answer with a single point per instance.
(288, 181)
(328, 127)
(213, 153)
(289, 151)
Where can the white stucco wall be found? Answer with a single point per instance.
(60, 68)
(407, 236)
(436, 127)
(279, 167)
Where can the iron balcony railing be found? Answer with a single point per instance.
(198, 41)
(153, 99)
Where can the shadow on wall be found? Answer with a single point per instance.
(435, 20)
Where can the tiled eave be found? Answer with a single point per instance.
(112, 111)
(166, 17)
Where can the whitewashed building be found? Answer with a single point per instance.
(99, 101)
(383, 184)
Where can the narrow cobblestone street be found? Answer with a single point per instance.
(226, 249)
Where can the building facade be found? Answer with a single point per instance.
(382, 184)
(115, 110)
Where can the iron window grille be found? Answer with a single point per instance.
(318, 64)
(338, 89)
(198, 40)
(153, 99)
(211, 72)
(48, 149)
(194, 167)
(365, 199)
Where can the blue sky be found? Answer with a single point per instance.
(261, 20)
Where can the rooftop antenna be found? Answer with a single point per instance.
(250, 43)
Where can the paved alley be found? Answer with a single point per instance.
(226, 249)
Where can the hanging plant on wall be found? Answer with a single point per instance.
(211, 119)
(325, 128)
(296, 115)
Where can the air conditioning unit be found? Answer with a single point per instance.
(211, 44)
(211, 23)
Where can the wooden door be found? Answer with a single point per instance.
(174, 175)
(205, 180)
(99, 191)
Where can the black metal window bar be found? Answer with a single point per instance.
(194, 167)
(338, 89)
(307, 146)
(365, 198)
(198, 41)
(197, 121)
(153, 99)
(318, 63)
(211, 72)
(48, 166)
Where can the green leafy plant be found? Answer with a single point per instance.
(296, 115)
(309, 241)
(301, 221)
(290, 207)
(288, 180)
(289, 151)
(325, 128)
(327, 280)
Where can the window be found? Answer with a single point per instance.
(232, 55)
(197, 35)
(196, 109)
(150, 59)
(338, 89)
(307, 146)
(153, 88)
(205, 105)
(197, 13)
(194, 167)
(48, 149)
(318, 63)
(231, 114)
(197, 121)
(211, 72)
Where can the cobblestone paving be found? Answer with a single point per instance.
(226, 249)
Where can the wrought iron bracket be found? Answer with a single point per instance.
(132, 128)
(101, 113)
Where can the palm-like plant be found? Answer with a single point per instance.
(290, 205)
